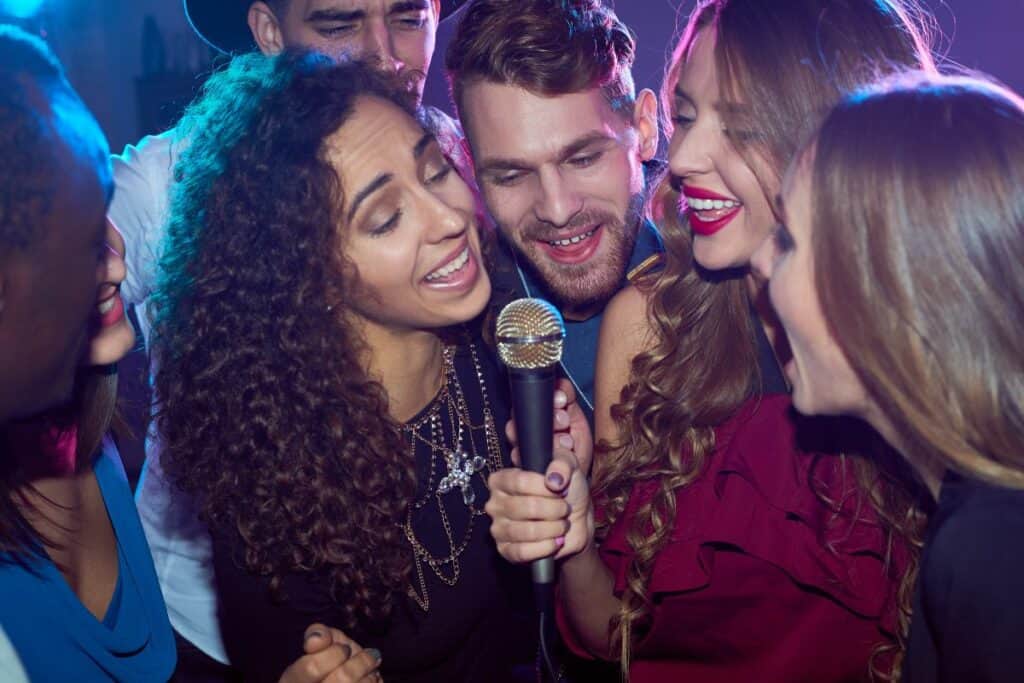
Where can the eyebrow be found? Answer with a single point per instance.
(570, 150)
(340, 15)
(377, 183)
(408, 6)
(733, 108)
(384, 178)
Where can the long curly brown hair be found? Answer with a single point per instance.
(790, 62)
(267, 414)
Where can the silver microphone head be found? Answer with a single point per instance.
(530, 334)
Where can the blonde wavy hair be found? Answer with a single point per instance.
(790, 63)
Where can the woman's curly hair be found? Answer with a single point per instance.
(266, 412)
(702, 364)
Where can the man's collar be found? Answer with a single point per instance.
(646, 252)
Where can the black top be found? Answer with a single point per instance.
(480, 629)
(968, 620)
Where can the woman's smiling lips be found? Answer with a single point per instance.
(709, 211)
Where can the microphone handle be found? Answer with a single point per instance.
(533, 408)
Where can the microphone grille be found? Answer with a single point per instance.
(530, 334)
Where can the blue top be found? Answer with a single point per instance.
(58, 639)
(579, 354)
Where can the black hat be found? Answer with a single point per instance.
(224, 23)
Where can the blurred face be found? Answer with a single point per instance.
(823, 380)
(411, 230)
(49, 289)
(399, 34)
(724, 204)
(113, 335)
(563, 178)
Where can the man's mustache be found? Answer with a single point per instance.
(550, 233)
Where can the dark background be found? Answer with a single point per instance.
(137, 62)
(101, 45)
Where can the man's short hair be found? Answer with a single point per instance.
(548, 47)
(27, 185)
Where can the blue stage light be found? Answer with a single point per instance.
(20, 9)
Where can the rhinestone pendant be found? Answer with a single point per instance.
(461, 469)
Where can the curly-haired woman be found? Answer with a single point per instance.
(726, 541)
(318, 396)
(902, 301)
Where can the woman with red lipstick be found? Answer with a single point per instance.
(725, 540)
(72, 550)
(324, 397)
(902, 302)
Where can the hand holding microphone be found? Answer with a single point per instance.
(534, 516)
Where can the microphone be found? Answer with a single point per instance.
(530, 333)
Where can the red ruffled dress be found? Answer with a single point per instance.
(747, 588)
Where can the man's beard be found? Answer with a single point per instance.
(586, 286)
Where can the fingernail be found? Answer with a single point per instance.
(560, 399)
(565, 441)
(313, 634)
(561, 418)
(560, 541)
(374, 652)
(556, 480)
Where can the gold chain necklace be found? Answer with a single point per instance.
(462, 461)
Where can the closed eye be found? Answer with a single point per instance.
(585, 160)
(388, 225)
(440, 175)
(334, 31)
(681, 121)
(507, 179)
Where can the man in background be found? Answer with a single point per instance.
(559, 139)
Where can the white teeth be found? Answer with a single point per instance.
(453, 265)
(572, 240)
(711, 204)
(105, 307)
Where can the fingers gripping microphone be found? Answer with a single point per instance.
(530, 334)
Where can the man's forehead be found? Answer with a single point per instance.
(309, 7)
(501, 118)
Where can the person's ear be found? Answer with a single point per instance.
(436, 4)
(266, 30)
(645, 120)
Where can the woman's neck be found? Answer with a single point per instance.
(43, 450)
(759, 300)
(409, 364)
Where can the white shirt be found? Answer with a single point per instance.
(180, 544)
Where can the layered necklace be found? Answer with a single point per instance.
(456, 458)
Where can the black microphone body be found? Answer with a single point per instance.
(530, 334)
(533, 407)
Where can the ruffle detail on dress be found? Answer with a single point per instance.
(754, 498)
